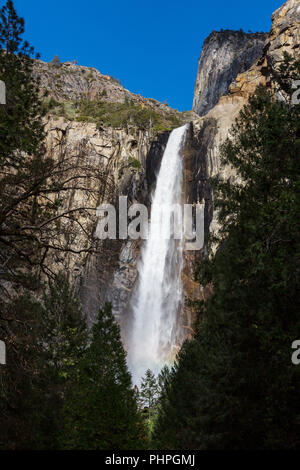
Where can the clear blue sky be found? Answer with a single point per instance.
(152, 47)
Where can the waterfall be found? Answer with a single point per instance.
(157, 300)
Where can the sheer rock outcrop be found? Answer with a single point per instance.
(224, 55)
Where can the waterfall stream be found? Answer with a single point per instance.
(157, 301)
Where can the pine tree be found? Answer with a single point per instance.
(148, 392)
(101, 412)
(21, 137)
(175, 426)
(163, 380)
(64, 340)
(64, 327)
(43, 351)
(21, 127)
(20, 329)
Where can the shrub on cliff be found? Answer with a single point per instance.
(55, 62)
(117, 115)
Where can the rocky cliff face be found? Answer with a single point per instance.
(284, 35)
(68, 81)
(129, 159)
(224, 55)
(120, 155)
(131, 154)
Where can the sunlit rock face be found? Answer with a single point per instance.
(67, 81)
(285, 33)
(224, 55)
(263, 70)
(284, 39)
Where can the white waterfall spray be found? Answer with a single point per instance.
(158, 298)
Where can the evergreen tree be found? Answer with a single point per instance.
(64, 340)
(21, 128)
(21, 137)
(20, 329)
(148, 392)
(101, 411)
(64, 327)
(234, 386)
(163, 380)
(45, 341)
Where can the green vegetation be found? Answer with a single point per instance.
(101, 411)
(62, 387)
(148, 398)
(49, 103)
(115, 80)
(132, 163)
(45, 341)
(234, 385)
(20, 118)
(148, 392)
(117, 115)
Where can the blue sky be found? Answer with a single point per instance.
(152, 47)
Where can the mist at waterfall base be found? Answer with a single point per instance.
(156, 331)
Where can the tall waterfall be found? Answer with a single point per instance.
(158, 297)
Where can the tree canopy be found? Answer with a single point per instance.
(101, 412)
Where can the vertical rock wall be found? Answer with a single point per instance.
(224, 55)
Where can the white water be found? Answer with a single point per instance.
(156, 305)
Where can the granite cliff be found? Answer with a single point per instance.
(283, 37)
(224, 55)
